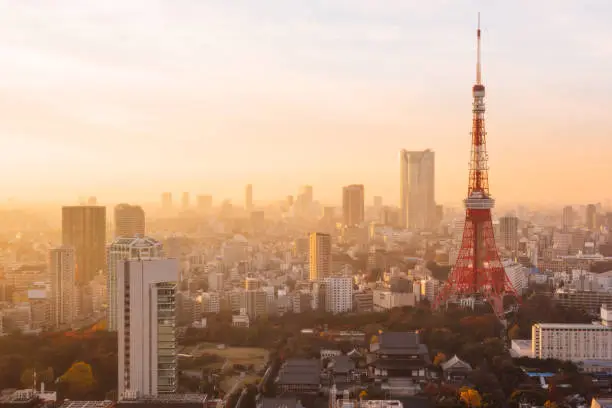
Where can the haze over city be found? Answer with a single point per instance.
(123, 100)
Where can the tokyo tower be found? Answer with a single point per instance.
(478, 271)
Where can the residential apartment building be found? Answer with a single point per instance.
(146, 292)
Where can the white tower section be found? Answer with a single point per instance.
(121, 249)
(146, 290)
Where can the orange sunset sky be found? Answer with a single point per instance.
(126, 99)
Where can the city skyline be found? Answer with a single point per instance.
(362, 72)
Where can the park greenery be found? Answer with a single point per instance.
(85, 366)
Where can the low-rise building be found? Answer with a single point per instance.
(385, 299)
(299, 376)
(573, 342)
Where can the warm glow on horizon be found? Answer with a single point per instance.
(126, 99)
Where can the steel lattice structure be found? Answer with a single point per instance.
(478, 270)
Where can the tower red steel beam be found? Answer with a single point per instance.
(478, 270)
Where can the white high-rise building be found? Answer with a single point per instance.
(62, 270)
(320, 256)
(146, 292)
(339, 294)
(417, 195)
(126, 248)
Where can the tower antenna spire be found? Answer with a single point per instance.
(478, 76)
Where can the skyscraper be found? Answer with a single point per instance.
(591, 217)
(204, 202)
(129, 220)
(126, 248)
(353, 204)
(248, 197)
(508, 231)
(320, 256)
(568, 218)
(84, 229)
(166, 201)
(63, 285)
(146, 291)
(417, 199)
(185, 201)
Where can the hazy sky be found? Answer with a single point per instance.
(127, 98)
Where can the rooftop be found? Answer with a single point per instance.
(165, 398)
(564, 326)
(86, 404)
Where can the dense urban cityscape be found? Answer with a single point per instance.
(296, 303)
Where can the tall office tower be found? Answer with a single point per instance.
(508, 233)
(320, 256)
(129, 220)
(146, 292)
(166, 202)
(84, 229)
(121, 249)
(289, 200)
(353, 204)
(591, 217)
(185, 201)
(204, 202)
(378, 202)
(254, 302)
(62, 264)
(339, 294)
(417, 200)
(248, 197)
(568, 217)
(306, 192)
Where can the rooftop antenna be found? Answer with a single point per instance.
(478, 79)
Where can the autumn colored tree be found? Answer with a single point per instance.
(79, 380)
(439, 358)
(470, 397)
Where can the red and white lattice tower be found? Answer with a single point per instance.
(478, 271)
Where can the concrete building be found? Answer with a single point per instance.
(385, 299)
(508, 237)
(518, 276)
(215, 281)
(126, 248)
(166, 202)
(248, 197)
(417, 194)
(204, 202)
(62, 269)
(568, 218)
(353, 207)
(591, 217)
(84, 229)
(339, 294)
(254, 302)
(320, 256)
(573, 342)
(185, 201)
(129, 220)
(146, 291)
